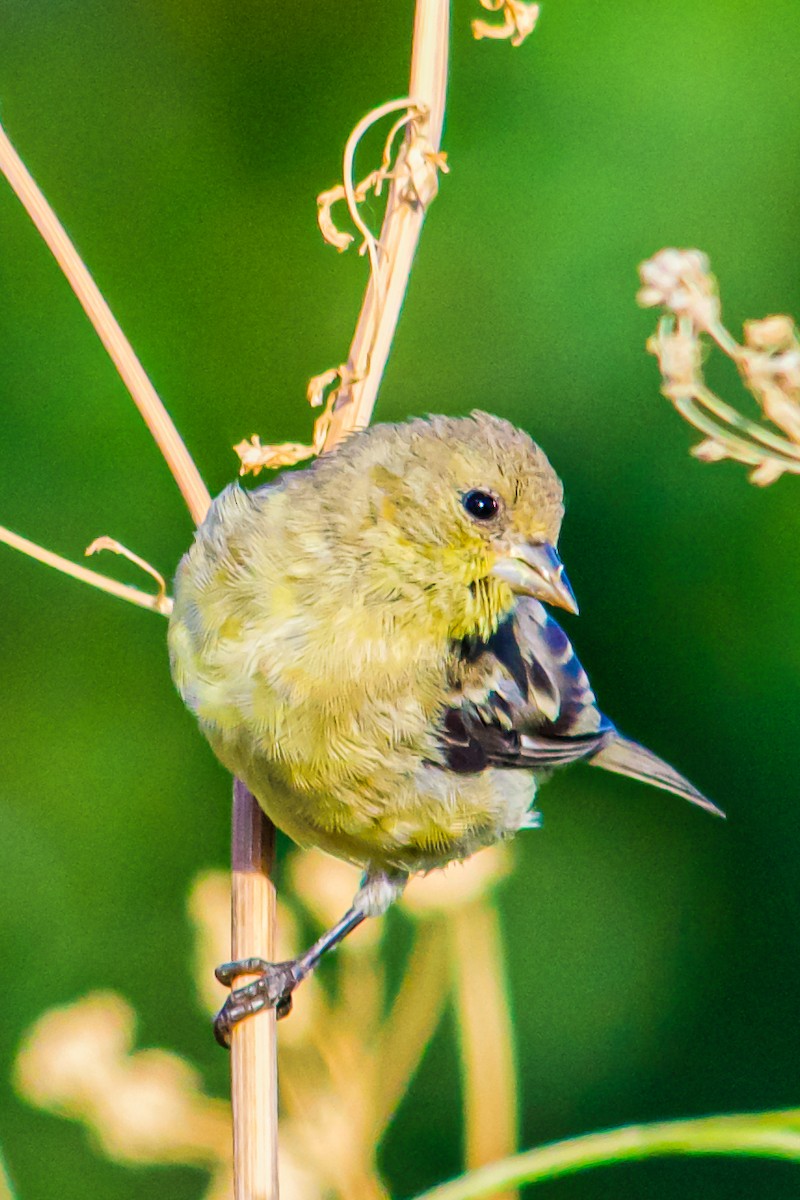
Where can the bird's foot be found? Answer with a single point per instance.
(272, 989)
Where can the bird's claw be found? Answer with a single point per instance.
(272, 989)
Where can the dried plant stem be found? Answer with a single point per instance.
(490, 1100)
(253, 1070)
(108, 330)
(770, 1135)
(157, 603)
(402, 225)
(253, 1042)
(411, 1024)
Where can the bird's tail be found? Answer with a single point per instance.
(625, 757)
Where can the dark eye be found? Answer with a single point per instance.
(480, 505)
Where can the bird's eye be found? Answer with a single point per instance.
(480, 505)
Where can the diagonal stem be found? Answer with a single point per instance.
(107, 329)
(157, 603)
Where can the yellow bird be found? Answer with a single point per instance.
(365, 646)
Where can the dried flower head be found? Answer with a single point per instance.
(347, 1055)
(681, 282)
(143, 1106)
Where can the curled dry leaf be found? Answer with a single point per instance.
(326, 200)
(419, 173)
(519, 21)
(161, 602)
(319, 385)
(322, 389)
(416, 168)
(255, 458)
(332, 235)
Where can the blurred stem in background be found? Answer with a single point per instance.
(347, 1056)
(5, 1184)
(769, 1135)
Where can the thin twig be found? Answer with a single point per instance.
(351, 146)
(107, 328)
(159, 603)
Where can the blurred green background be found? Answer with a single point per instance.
(653, 952)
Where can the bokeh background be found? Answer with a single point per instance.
(653, 955)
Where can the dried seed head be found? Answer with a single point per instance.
(679, 356)
(680, 280)
(772, 334)
(769, 363)
(143, 1106)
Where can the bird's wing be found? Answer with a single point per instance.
(522, 699)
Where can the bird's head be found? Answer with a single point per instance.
(464, 511)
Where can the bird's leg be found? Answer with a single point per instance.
(276, 981)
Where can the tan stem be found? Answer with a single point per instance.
(486, 1037)
(158, 603)
(107, 329)
(253, 1072)
(254, 1080)
(402, 225)
(254, 1076)
(411, 1023)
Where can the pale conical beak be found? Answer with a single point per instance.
(536, 571)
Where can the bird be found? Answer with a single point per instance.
(366, 645)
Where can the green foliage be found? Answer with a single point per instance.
(771, 1134)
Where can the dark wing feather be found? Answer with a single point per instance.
(522, 699)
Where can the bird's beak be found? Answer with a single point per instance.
(536, 570)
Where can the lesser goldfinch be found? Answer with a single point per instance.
(364, 644)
